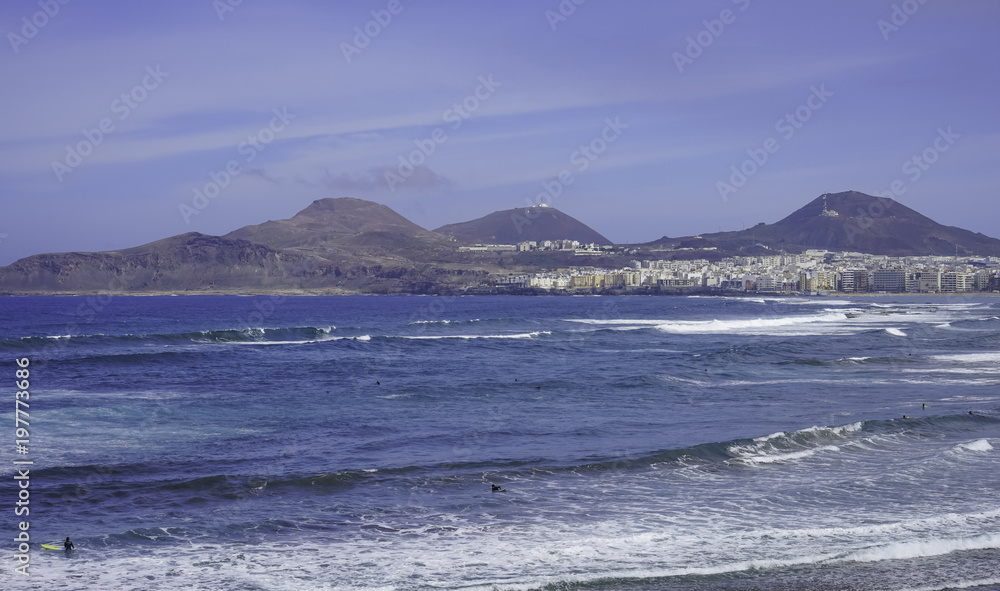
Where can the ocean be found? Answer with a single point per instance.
(643, 443)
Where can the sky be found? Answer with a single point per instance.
(128, 122)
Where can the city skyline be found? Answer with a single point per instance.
(128, 124)
(813, 272)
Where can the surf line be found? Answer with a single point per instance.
(23, 477)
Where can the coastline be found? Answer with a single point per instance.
(499, 292)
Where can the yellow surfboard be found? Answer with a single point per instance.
(51, 547)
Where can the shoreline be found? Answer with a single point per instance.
(542, 293)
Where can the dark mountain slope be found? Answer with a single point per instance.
(183, 262)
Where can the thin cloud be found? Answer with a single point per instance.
(262, 174)
(375, 180)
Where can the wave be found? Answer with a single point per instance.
(778, 447)
(787, 446)
(979, 445)
(635, 577)
(91, 483)
(738, 326)
(299, 334)
(779, 300)
(841, 361)
(213, 336)
(477, 561)
(990, 357)
(743, 326)
(792, 445)
(616, 321)
(523, 335)
(131, 347)
(923, 548)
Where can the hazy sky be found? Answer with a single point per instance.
(127, 122)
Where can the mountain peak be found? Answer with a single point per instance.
(330, 219)
(523, 224)
(850, 204)
(338, 204)
(854, 221)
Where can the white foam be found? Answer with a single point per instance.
(810, 301)
(615, 321)
(739, 383)
(944, 522)
(895, 332)
(302, 342)
(527, 555)
(990, 357)
(923, 549)
(978, 371)
(786, 457)
(979, 445)
(755, 325)
(839, 430)
(523, 335)
(266, 343)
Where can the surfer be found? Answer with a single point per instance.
(68, 545)
(495, 488)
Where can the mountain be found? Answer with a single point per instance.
(186, 261)
(851, 221)
(333, 245)
(349, 231)
(354, 246)
(334, 222)
(511, 226)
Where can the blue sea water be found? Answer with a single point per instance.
(647, 443)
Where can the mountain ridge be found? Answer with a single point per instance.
(349, 245)
(855, 222)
